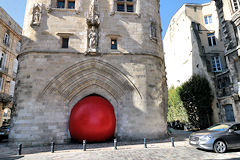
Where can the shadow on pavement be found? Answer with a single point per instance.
(10, 157)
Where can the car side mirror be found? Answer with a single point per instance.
(231, 130)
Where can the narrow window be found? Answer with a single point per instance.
(216, 64)
(211, 39)
(65, 42)
(113, 44)
(61, 4)
(71, 4)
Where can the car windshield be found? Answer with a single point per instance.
(219, 127)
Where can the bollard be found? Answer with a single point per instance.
(145, 142)
(84, 145)
(115, 144)
(172, 140)
(19, 149)
(52, 147)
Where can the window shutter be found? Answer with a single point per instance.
(1, 83)
(15, 66)
(12, 87)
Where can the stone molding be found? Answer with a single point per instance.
(76, 78)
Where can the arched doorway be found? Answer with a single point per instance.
(92, 119)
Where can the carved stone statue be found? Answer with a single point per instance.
(93, 40)
(36, 15)
(93, 22)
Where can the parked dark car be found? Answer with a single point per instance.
(4, 132)
(219, 137)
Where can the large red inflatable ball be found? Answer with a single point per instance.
(92, 119)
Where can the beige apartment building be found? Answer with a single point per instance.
(193, 45)
(229, 19)
(10, 46)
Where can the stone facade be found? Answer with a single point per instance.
(10, 44)
(229, 21)
(187, 49)
(52, 78)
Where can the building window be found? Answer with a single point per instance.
(6, 39)
(229, 114)
(216, 64)
(208, 19)
(71, 4)
(65, 42)
(61, 4)
(113, 44)
(3, 58)
(211, 39)
(125, 5)
(235, 5)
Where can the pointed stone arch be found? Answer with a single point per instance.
(75, 79)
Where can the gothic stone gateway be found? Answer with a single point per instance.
(79, 48)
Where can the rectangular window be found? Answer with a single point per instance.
(216, 64)
(211, 39)
(113, 44)
(61, 4)
(65, 42)
(120, 7)
(71, 4)
(208, 19)
(129, 8)
(125, 5)
(235, 5)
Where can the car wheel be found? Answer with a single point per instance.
(220, 147)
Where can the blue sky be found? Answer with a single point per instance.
(16, 9)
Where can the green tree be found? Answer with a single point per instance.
(176, 111)
(197, 98)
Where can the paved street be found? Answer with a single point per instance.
(156, 151)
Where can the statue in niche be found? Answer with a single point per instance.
(93, 39)
(93, 22)
(36, 15)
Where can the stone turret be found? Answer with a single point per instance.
(97, 47)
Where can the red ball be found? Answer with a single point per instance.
(92, 119)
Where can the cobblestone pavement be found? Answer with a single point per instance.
(104, 151)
